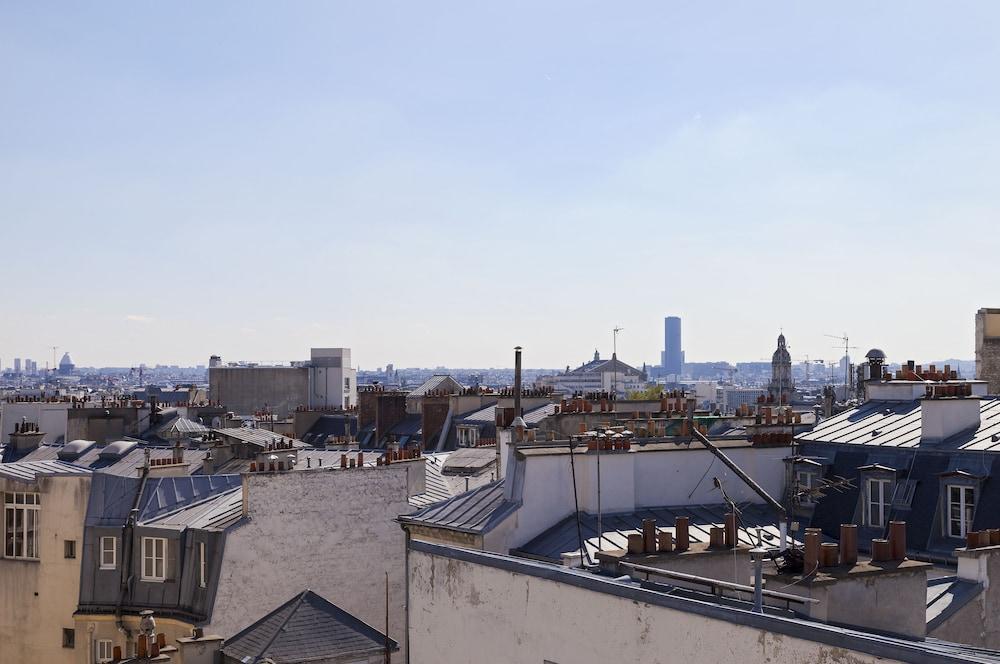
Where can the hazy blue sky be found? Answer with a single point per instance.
(433, 183)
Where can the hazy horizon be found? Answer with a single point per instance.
(433, 184)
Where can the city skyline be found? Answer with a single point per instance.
(334, 175)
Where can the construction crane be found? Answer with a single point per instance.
(847, 350)
(808, 362)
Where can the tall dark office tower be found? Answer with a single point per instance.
(673, 357)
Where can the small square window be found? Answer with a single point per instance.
(69, 638)
(69, 548)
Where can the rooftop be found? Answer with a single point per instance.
(304, 629)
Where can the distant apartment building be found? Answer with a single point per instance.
(732, 397)
(327, 380)
(988, 348)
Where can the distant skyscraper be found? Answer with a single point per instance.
(17, 365)
(672, 358)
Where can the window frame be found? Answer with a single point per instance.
(885, 502)
(69, 637)
(967, 512)
(812, 476)
(113, 551)
(202, 566)
(22, 510)
(110, 653)
(150, 557)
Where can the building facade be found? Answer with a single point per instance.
(672, 358)
(988, 348)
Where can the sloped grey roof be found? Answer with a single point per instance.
(126, 466)
(441, 487)
(306, 628)
(260, 437)
(164, 495)
(898, 424)
(474, 512)
(214, 513)
(29, 471)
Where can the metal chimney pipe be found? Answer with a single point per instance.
(517, 382)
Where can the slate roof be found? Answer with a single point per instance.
(259, 437)
(441, 486)
(308, 459)
(330, 426)
(474, 512)
(897, 424)
(215, 513)
(29, 471)
(306, 628)
(945, 596)
(562, 537)
(165, 495)
(126, 466)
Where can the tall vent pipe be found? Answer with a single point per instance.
(517, 382)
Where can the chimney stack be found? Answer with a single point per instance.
(517, 382)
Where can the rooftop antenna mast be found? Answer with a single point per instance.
(54, 349)
(614, 357)
(847, 365)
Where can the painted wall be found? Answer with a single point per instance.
(977, 623)
(511, 617)
(245, 390)
(670, 476)
(333, 532)
(38, 598)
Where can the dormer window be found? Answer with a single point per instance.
(878, 483)
(960, 510)
(878, 498)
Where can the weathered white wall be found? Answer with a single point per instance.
(631, 480)
(50, 417)
(464, 612)
(38, 598)
(331, 531)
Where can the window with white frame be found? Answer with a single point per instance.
(154, 559)
(21, 531)
(104, 650)
(878, 497)
(202, 566)
(961, 508)
(109, 552)
(806, 481)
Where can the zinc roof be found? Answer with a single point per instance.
(29, 471)
(898, 424)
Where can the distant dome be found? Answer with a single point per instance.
(875, 354)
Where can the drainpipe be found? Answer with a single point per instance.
(128, 548)
(517, 381)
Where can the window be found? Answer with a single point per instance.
(807, 481)
(69, 638)
(21, 530)
(879, 498)
(202, 563)
(109, 552)
(154, 559)
(105, 651)
(69, 548)
(961, 507)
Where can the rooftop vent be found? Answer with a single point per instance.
(74, 450)
(118, 449)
